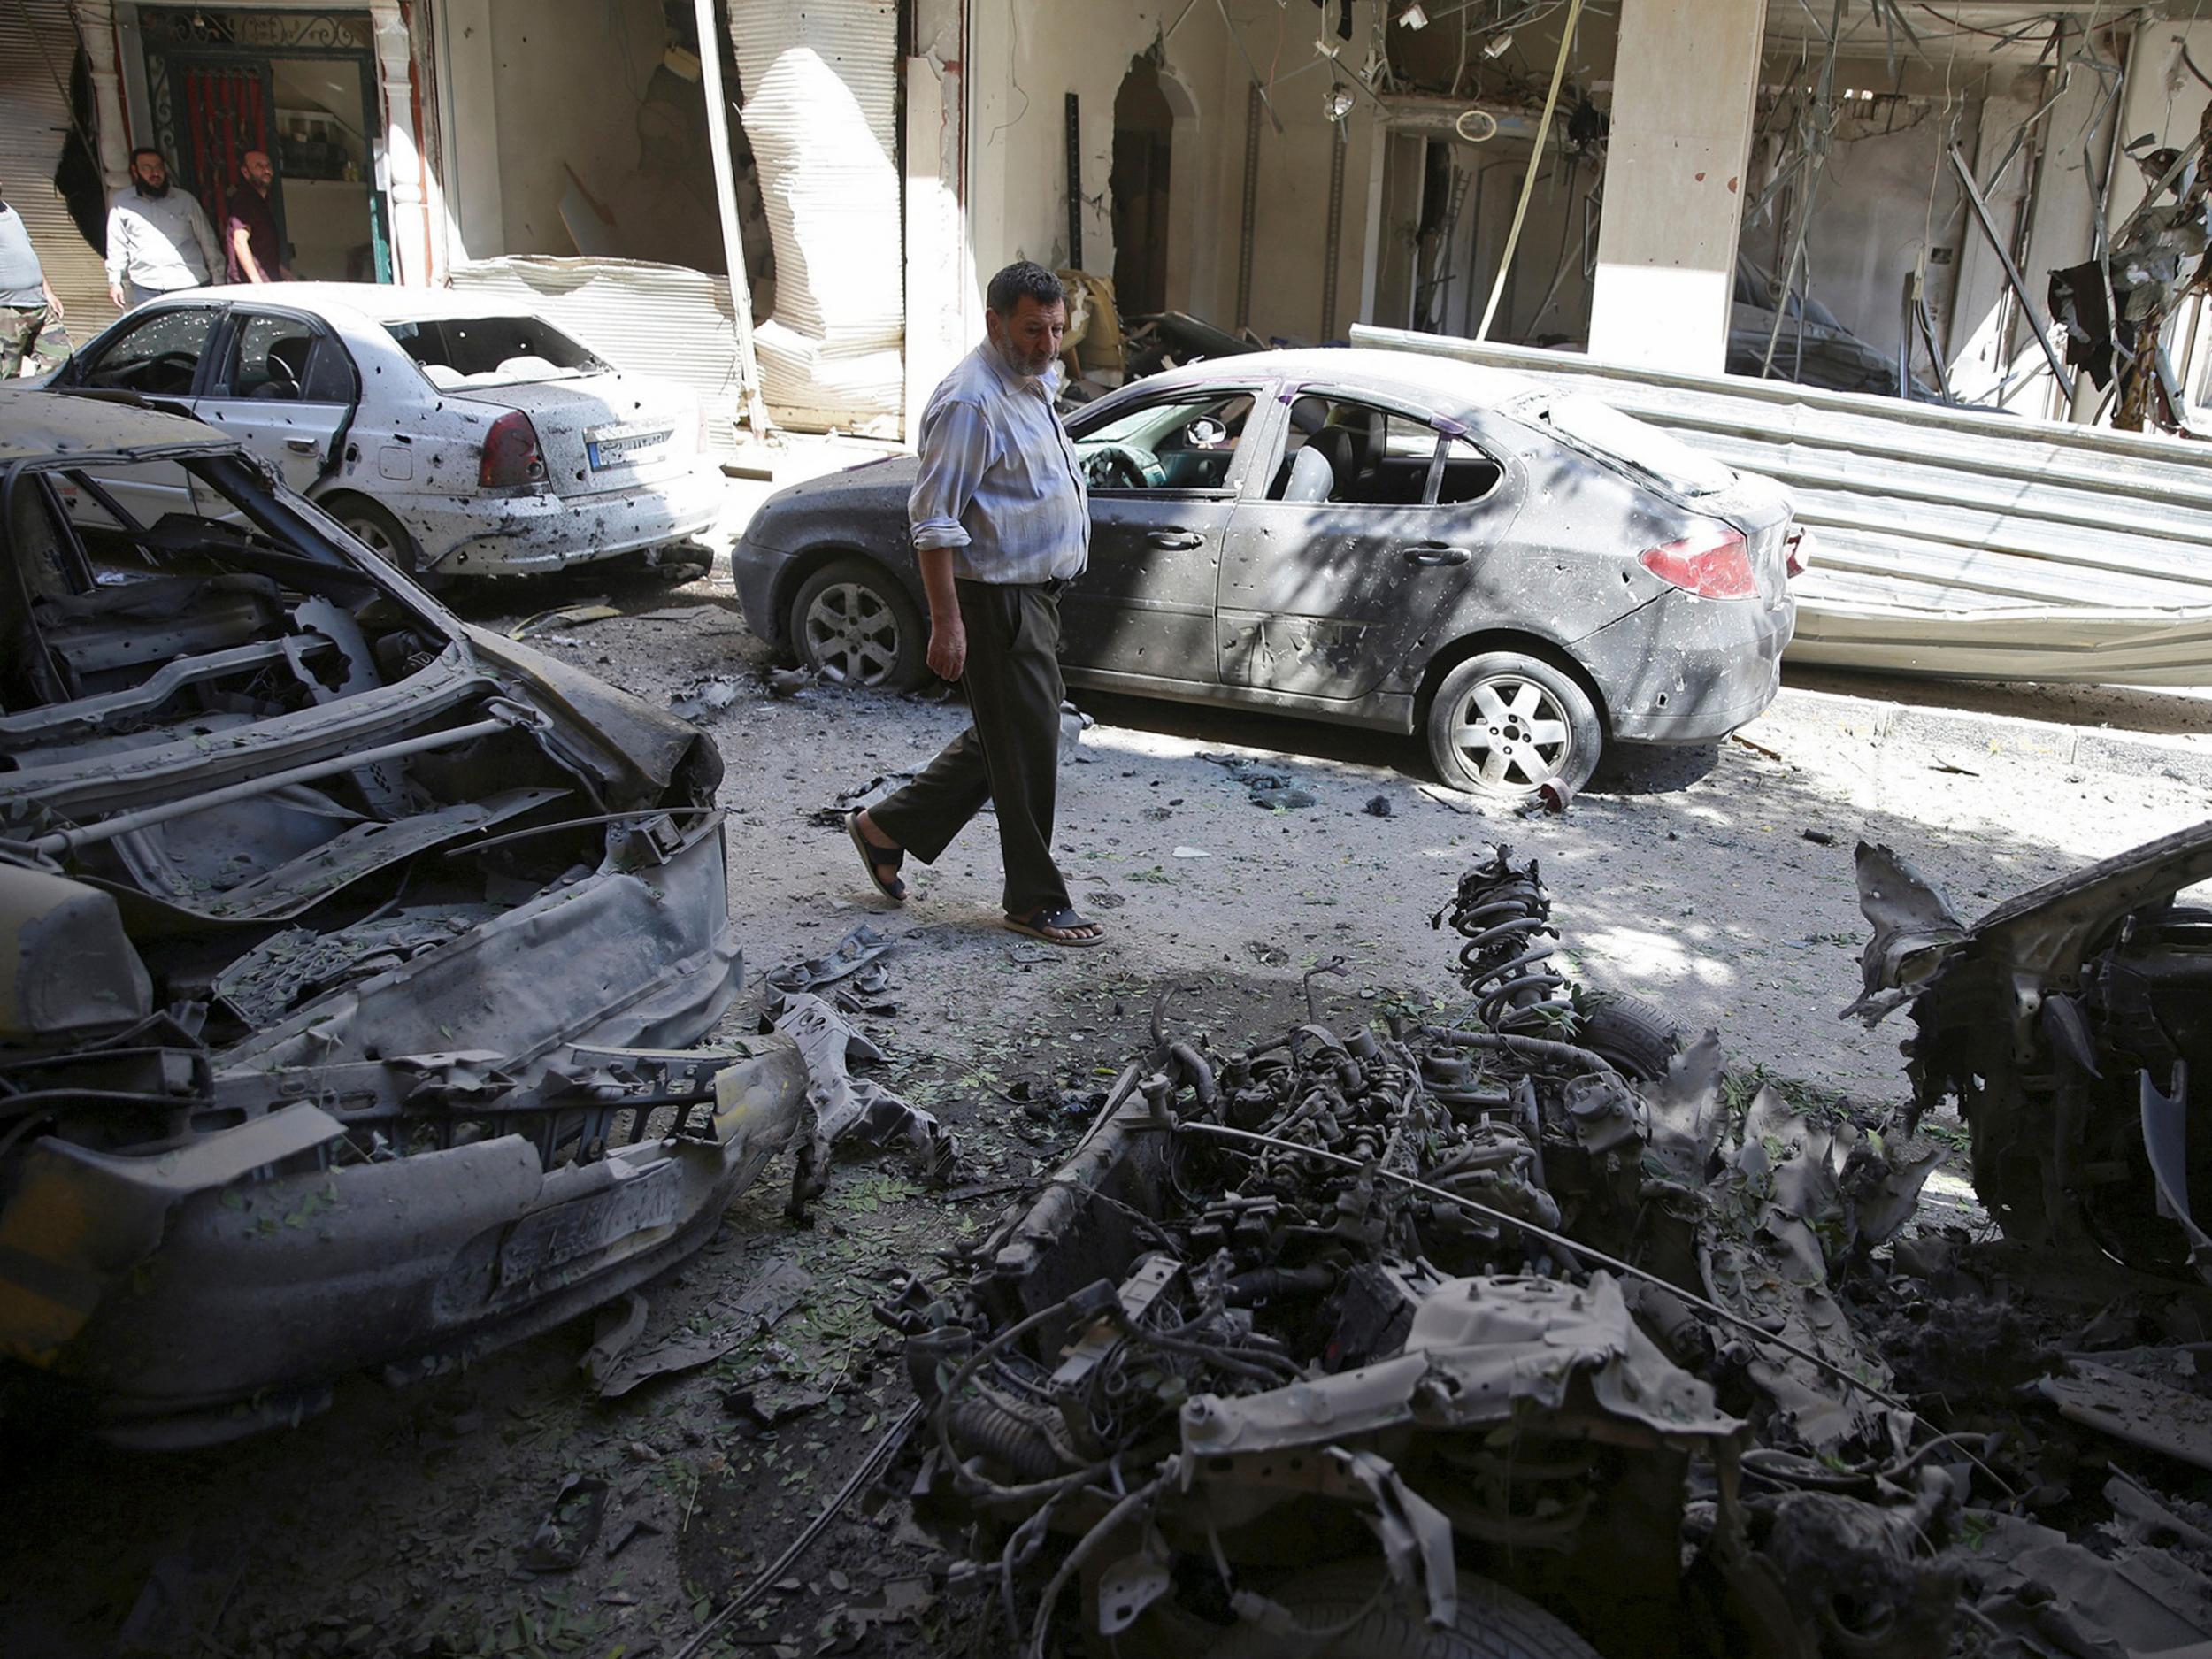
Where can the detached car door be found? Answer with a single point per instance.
(1163, 477)
(282, 385)
(1357, 549)
(159, 355)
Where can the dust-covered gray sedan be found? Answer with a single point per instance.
(1373, 538)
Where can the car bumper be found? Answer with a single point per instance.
(1684, 670)
(210, 1290)
(758, 571)
(513, 535)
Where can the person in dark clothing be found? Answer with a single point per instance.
(253, 251)
(1001, 523)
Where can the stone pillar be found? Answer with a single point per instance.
(96, 27)
(1685, 83)
(402, 180)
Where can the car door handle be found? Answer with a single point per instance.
(1175, 540)
(1433, 553)
(302, 446)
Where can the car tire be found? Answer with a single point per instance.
(1638, 1039)
(1502, 725)
(385, 537)
(852, 617)
(1355, 1616)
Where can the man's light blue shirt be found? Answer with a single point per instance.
(1000, 486)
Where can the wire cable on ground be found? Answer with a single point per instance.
(883, 1451)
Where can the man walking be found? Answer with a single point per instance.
(26, 299)
(250, 227)
(158, 240)
(1001, 524)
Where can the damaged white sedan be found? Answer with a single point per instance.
(350, 957)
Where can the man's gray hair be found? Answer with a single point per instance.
(1025, 278)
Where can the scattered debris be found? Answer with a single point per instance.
(766, 1297)
(1760, 749)
(678, 1354)
(1192, 852)
(620, 1326)
(1267, 786)
(843, 1108)
(1819, 838)
(632, 1530)
(1379, 806)
(563, 617)
(710, 696)
(858, 956)
(570, 1528)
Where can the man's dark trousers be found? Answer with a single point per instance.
(1010, 755)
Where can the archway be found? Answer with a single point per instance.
(1144, 126)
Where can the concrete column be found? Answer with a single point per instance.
(475, 206)
(941, 280)
(1685, 84)
(96, 27)
(403, 185)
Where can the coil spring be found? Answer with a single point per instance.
(1503, 914)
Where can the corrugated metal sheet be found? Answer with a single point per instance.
(661, 319)
(1949, 541)
(38, 47)
(820, 85)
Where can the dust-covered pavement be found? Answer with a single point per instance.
(1717, 883)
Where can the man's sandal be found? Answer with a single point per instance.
(875, 856)
(1040, 922)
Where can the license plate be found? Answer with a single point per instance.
(539, 1247)
(611, 446)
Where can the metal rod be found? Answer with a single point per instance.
(1535, 166)
(1253, 101)
(146, 817)
(710, 39)
(1333, 241)
(2012, 271)
(1075, 182)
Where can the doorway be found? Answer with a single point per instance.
(301, 87)
(1144, 126)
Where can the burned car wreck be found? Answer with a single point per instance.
(1515, 1335)
(351, 956)
(2068, 1024)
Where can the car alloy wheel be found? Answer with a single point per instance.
(850, 629)
(1513, 732)
(1505, 724)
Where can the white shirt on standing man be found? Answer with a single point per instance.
(159, 240)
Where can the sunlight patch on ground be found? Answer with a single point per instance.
(1654, 959)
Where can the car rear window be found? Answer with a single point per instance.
(455, 352)
(1601, 428)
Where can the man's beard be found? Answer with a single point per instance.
(1017, 360)
(155, 191)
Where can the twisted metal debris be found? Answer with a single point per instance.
(1510, 1319)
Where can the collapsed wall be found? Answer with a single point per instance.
(821, 110)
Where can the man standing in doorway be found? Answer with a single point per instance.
(249, 226)
(26, 299)
(1001, 524)
(158, 240)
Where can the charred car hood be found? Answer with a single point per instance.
(349, 958)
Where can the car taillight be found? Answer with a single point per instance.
(1716, 565)
(1798, 555)
(511, 454)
